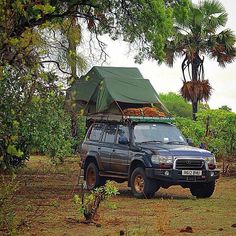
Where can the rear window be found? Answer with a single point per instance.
(96, 132)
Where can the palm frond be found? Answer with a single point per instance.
(221, 47)
(196, 21)
(223, 58)
(211, 24)
(214, 16)
(211, 7)
(227, 38)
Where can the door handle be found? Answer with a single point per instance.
(99, 148)
(114, 150)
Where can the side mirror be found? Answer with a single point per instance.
(135, 148)
(189, 141)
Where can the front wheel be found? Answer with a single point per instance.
(202, 190)
(141, 186)
(93, 180)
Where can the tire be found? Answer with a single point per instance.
(202, 190)
(141, 186)
(92, 178)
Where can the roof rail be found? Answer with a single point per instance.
(119, 118)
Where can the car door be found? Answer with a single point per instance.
(107, 144)
(94, 141)
(120, 152)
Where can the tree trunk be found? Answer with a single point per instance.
(73, 64)
(72, 51)
(194, 110)
(195, 66)
(207, 126)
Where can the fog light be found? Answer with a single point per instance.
(167, 173)
(212, 174)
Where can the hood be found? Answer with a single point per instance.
(177, 150)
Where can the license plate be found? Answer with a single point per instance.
(192, 172)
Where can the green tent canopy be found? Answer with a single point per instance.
(112, 89)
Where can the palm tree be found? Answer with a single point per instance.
(195, 37)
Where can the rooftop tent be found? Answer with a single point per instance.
(110, 89)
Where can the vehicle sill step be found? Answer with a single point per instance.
(113, 175)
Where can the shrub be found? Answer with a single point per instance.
(89, 203)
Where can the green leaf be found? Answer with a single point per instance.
(11, 149)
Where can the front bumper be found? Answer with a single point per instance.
(175, 176)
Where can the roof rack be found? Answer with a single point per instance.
(147, 119)
(119, 118)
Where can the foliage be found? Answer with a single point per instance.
(226, 108)
(81, 129)
(195, 36)
(176, 105)
(7, 212)
(220, 130)
(32, 116)
(215, 128)
(145, 24)
(62, 38)
(31, 106)
(89, 203)
(49, 130)
(191, 129)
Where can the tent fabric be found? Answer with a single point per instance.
(101, 87)
(127, 91)
(115, 72)
(84, 87)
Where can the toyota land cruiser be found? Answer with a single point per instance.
(149, 154)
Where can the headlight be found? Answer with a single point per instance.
(157, 159)
(211, 162)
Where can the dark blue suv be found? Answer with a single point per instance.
(149, 154)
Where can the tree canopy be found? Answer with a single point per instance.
(34, 33)
(146, 24)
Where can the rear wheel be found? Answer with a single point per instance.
(93, 180)
(202, 190)
(141, 186)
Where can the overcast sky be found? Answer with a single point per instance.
(165, 79)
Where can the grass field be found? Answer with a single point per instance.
(44, 206)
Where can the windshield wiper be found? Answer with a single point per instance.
(175, 142)
(152, 141)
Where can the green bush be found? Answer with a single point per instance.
(215, 128)
(32, 117)
(191, 129)
(220, 129)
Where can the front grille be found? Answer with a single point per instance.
(187, 164)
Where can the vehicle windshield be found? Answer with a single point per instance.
(158, 133)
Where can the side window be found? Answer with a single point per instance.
(109, 134)
(123, 135)
(96, 132)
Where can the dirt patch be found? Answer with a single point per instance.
(44, 206)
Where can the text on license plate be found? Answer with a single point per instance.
(192, 172)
